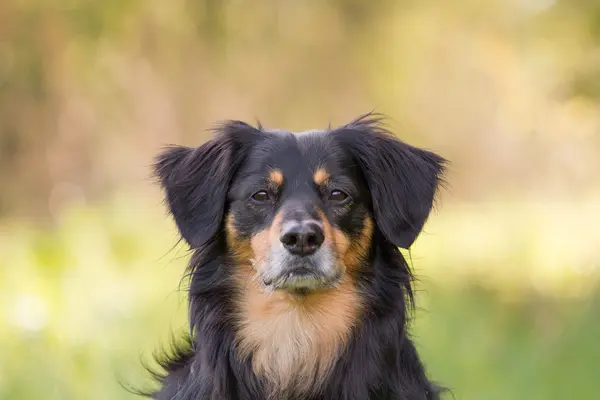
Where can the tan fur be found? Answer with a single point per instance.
(358, 248)
(261, 242)
(276, 177)
(239, 248)
(351, 253)
(294, 341)
(320, 176)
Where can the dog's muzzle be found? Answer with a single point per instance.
(300, 263)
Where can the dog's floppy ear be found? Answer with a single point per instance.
(196, 180)
(402, 179)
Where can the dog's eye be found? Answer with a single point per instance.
(338, 196)
(260, 196)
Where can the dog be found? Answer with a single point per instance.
(298, 289)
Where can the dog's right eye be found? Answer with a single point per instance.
(338, 196)
(260, 196)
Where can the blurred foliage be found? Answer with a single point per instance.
(90, 90)
(508, 90)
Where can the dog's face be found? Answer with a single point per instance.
(298, 209)
(302, 209)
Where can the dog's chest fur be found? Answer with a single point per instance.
(294, 343)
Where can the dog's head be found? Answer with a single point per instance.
(302, 209)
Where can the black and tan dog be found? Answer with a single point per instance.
(298, 289)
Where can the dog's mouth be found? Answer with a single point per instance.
(301, 280)
(301, 275)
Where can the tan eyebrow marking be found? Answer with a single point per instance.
(276, 176)
(320, 176)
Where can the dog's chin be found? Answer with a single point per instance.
(285, 272)
(302, 282)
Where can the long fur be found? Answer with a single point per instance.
(380, 360)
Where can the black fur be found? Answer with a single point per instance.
(398, 182)
(196, 180)
(402, 179)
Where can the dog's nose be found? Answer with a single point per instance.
(302, 237)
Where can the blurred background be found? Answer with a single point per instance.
(508, 90)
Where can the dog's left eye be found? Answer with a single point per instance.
(260, 196)
(338, 196)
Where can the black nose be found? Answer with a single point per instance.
(302, 238)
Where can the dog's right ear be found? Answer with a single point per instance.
(196, 180)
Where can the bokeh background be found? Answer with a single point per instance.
(509, 91)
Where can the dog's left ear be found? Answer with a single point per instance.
(196, 180)
(402, 179)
